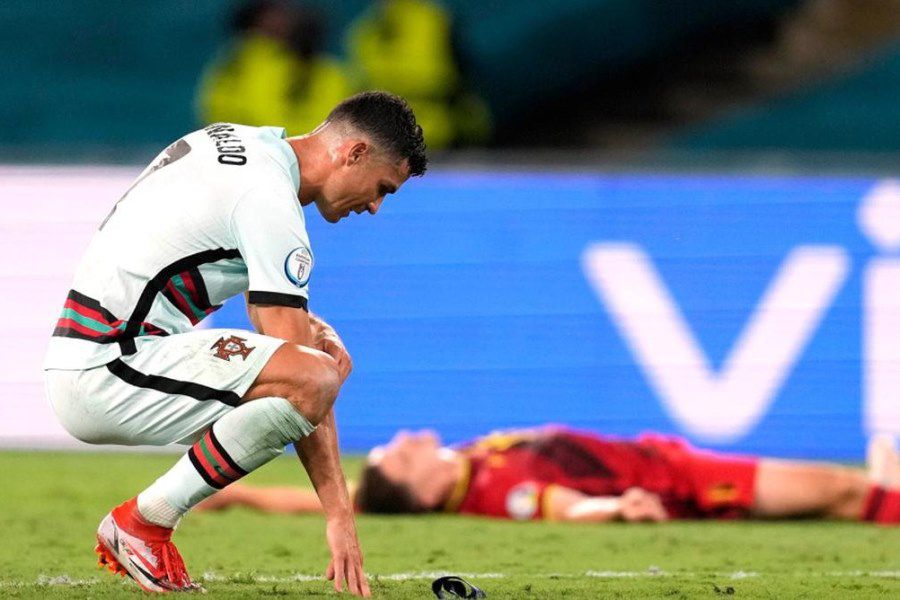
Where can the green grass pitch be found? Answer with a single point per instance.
(50, 504)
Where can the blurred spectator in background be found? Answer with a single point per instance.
(273, 71)
(406, 47)
(828, 34)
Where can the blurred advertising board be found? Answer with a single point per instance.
(748, 313)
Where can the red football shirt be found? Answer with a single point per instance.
(509, 474)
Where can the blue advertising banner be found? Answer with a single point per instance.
(746, 313)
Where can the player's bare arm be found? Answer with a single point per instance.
(636, 504)
(319, 451)
(319, 454)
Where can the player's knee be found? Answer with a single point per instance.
(305, 377)
(328, 384)
(315, 390)
(848, 484)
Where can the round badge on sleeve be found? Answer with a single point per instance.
(522, 501)
(298, 266)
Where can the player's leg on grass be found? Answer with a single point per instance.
(883, 501)
(136, 535)
(790, 489)
(293, 393)
(882, 460)
(806, 489)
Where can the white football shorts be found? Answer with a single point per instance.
(170, 391)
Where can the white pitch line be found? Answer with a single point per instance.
(64, 580)
(48, 580)
(743, 574)
(884, 574)
(435, 575)
(212, 576)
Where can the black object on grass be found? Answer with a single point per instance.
(455, 587)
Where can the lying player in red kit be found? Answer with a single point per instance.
(560, 474)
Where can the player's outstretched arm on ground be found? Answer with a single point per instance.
(636, 504)
(319, 454)
(277, 499)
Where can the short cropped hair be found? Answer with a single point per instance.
(390, 121)
(378, 494)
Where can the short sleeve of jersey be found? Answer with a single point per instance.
(505, 493)
(271, 235)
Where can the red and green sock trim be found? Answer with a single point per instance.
(213, 463)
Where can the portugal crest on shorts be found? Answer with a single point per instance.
(225, 348)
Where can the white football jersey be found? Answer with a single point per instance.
(214, 215)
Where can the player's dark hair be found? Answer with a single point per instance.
(378, 494)
(390, 121)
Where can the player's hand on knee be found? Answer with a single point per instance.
(640, 505)
(332, 345)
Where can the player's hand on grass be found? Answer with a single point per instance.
(638, 504)
(346, 557)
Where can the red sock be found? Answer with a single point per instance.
(129, 519)
(882, 506)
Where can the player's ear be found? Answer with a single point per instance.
(357, 153)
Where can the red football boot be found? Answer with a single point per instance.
(129, 545)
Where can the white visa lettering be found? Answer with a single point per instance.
(723, 406)
(879, 219)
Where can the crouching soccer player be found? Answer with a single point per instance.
(216, 214)
(559, 474)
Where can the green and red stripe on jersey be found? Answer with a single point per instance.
(187, 292)
(84, 318)
(213, 463)
(160, 282)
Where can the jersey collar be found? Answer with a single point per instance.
(462, 486)
(287, 153)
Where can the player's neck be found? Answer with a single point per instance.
(457, 470)
(315, 165)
